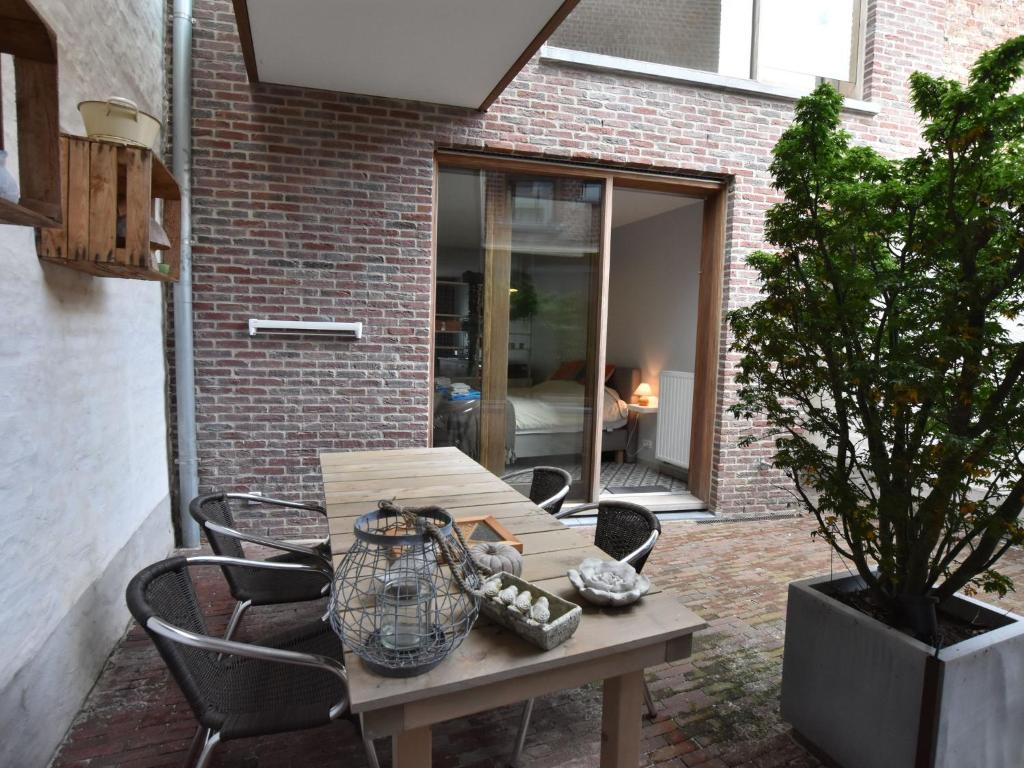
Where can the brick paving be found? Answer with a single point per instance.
(718, 708)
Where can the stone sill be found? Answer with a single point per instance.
(600, 61)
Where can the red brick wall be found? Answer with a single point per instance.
(318, 205)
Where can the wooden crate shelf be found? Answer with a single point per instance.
(103, 183)
(28, 38)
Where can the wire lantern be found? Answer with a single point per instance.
(407, 592)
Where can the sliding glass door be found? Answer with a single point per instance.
(517, 318)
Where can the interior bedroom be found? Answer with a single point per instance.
(654, 275)
(517, 325)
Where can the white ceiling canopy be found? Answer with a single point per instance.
(455, 52)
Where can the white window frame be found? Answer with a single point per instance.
(852, 91)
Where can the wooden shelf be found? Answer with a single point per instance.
(25, 36)
(104, 183)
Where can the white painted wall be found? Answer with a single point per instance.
(652, 298)
(652, 294)
(84, 497)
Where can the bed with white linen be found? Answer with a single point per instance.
(546, 419)
(549, 418)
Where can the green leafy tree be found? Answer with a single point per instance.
(879, 350)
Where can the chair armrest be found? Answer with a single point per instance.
(642, 550)
(252, 538)
(517, 473)
(267, 565)
(574, 510)
(252, 651)
(556, 498)
(254, 499)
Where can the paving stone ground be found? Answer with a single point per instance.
(719, 708)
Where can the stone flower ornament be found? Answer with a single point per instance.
(604, 582)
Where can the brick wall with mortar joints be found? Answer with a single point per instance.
(314, 205)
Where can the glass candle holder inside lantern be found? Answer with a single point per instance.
(401, 597)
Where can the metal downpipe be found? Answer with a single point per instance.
(184, 348)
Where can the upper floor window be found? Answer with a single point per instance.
(792, 43)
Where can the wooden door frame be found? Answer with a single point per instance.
(713, 192)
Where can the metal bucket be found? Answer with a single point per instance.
(119, 120)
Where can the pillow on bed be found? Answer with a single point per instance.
(570, 371)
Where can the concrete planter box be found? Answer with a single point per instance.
(866, 695)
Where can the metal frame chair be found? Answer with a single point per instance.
(290, 682)
(213, 513)
(611, 538)
(627, 546)
(542, 487)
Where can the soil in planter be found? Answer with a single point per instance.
(952, 629)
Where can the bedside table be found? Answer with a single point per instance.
(635, 408)
(635, 411)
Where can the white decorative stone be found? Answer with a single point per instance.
(606, 582)
(492, 586)
(540, 612)
(508, 595)
(523, 601)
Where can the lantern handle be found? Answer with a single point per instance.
(413, 515)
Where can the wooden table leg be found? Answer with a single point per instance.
(411, 749)
(620, 720)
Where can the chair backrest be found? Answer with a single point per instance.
(216, 508)
(547, 481)
(165, 590)
(622, 527)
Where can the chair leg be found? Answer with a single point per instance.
(193, 749)
(371, 751)
(652, 711)
(524, 724)
(236, 617)
(210, 742)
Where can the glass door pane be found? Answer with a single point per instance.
(515, 319)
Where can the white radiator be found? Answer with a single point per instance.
(675, 415)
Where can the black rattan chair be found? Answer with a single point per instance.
(250, 587)
(288, 682)
(627, 532)
(548, 487)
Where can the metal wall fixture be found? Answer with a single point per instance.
(355, 330)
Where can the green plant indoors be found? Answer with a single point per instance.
(879, 349)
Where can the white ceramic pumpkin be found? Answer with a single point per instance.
(495, 557)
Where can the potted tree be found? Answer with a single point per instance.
(885, 357)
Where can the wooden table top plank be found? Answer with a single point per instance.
(538, 543)
(459, 504)
(554, 541)
(383, 460)
(406, 465)
(430, 488)
(402, 485)
(515, 515)
(354, 457)
(520, 524)
(493, 653)
(419, 469)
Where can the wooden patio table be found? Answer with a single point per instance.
(493, 667)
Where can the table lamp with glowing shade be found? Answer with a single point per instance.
(643, 394)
